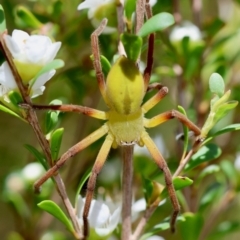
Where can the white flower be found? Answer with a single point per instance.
(97, 11)
(186, 29)
(100, 217)
(30, 53)
(7, 82)
(33, 171)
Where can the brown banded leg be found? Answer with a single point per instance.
(70, 153)
(163, 117)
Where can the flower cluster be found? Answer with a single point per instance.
(30, 54)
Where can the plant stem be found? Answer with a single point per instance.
(31, 117)
(127, 155)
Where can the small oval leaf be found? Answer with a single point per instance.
(216, 84)
(52, 208)
(2, 20)
(156, 23)
(204, 154)
(55, 142)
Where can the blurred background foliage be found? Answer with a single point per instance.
(211, 204)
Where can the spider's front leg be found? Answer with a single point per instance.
(70, 153)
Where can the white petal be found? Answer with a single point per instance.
(139, 205)
(89, 4)
(20, 36)
(102, 231)
(6, 77)
(186, 29)
(79, 207)
(114, 219)
(52, 52)
(43, 79)
(36, 47)
(99, 214)
(37, 92)
(12, 46)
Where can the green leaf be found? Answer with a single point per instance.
(216, 84)
(229, 171)
(2, 20)
(224, 229)
(55, 64)
(106, 66)
(84, 178)
(52, 208)
(156, 23)
(152, 191)
(37, 155)
(55, 142)
(178, 183)
(229, 128)
(18, 203)
(209, 170)
(132, 45)
(224, 109)
(7, 110)
(205, 154)
(212, 195)
(52, 117)
(185, 131)
(129, 6)
(191, 228)
(28, 19)
(15, 98)
(160, 227)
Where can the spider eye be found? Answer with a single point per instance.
(125, 86)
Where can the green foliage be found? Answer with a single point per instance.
(156, 23)
(55, 143)
(191, 226)
(52, 117)
(52, 208)
(132, 45)
(2, 20)
(206, 153)
(27, 18)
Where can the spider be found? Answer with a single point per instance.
(125, 121)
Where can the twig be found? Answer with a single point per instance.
(184, 162)
(33, 121)
(176, 11)
(127, 154)
(224, 203)
(196, 10)
(143, 221)
(140, 9)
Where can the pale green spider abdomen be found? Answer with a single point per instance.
(125, 87)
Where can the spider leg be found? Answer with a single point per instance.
(96, 58)
(91, 112)
(163, 117)
(155, 99)
(70, 153)
(158, 158)
(97, 167)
